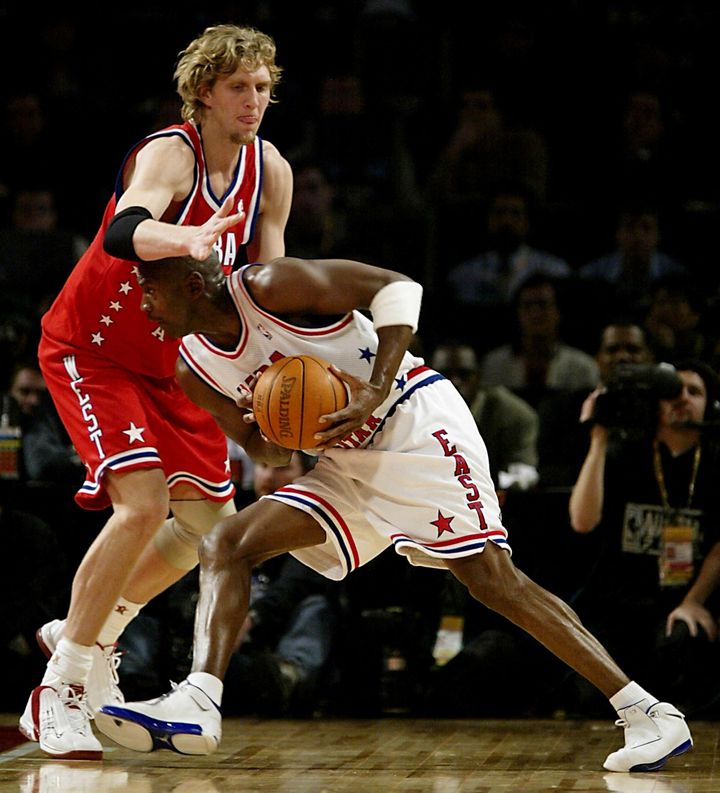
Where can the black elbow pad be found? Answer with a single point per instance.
(118, 239)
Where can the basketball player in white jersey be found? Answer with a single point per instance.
(402, 465)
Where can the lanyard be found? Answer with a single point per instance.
(660, 476)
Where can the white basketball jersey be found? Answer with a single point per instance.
(350, 342)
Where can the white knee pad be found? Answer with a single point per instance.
(178, 538)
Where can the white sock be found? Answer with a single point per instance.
(631, 694)
(120, 617)
(210, 684)
(70, 663)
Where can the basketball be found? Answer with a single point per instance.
(291, 395)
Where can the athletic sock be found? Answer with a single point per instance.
(631, 694)
(120, 617)
(210, 684)
(70, 663)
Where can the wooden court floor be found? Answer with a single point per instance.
(375, 756)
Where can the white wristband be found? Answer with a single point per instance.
(397, 303)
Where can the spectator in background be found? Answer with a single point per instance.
(652, 499)
(317, 227)
(628, 273)
(47, 453)
(508, 424)
(646, 158)
(538, 360)
(488, 281)
(674, 321)
(26, 132)
(562, 438)
(491, 278)
(484, 150)
(37, 252)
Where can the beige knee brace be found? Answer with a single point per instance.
(178, 538)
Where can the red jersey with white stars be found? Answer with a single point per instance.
(98, 308)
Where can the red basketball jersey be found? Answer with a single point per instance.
(98, 308)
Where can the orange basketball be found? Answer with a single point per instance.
(291, 395)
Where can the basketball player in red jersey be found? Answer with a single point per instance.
(208, 183)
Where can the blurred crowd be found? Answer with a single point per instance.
(550, 175)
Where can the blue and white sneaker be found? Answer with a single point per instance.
(653, 734)
(185, 720)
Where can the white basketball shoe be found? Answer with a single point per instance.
(103, 685)
(185, 720)
(60, 722)
(653, 734)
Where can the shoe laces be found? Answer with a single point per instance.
(79, 713)
(173, 688)
(112, 657)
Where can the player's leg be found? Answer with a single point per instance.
(156, 423)
(165, 560)
(57, 713)
(654, 731)
(188, 718)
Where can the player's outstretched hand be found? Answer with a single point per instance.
(364, 398)
(205, 236)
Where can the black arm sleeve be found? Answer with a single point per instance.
(118, 237)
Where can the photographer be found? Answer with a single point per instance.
(650, 499)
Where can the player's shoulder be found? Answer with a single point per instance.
(273, 159)
(175, 147)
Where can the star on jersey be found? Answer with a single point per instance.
(400, 383)
(115, 305)
(135, 433)
(97, 338)
(159, 333)
(366, 354)
(125, 287)
(442, 524)
(135, 271)
(105, 319)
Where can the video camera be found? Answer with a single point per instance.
(632, 392)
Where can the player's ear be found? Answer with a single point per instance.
(195, 283)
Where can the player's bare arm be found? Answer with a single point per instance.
(289, 285)
(229, 418)
(269, 239)
(337, 286)
(163, 173)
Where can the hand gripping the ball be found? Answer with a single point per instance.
(364, 398)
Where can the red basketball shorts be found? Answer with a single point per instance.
(119, 420)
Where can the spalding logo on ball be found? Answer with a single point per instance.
(291, 395)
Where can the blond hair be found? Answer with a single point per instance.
(219, 51)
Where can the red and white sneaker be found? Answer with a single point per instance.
(103, 686)
(60, 722)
